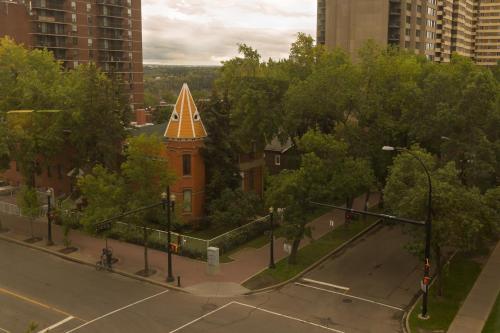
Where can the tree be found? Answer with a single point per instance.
(28, 201)
(34, 137)
(219, 152)
(4, 147)
(29, 79)
(97, 116)
(459, 215)
(233, 208)
(327, 173)
(145, 175)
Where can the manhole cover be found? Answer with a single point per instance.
(347, 300)
(209, 307)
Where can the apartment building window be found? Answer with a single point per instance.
(408, 6)
(75, 41)
(89, 7)
(187, 196)
(89, 42)
(75, 64)
(186, 165)
(419, 20)
(408, 19)
(417, 33)
(407, 32)
(419, 8)
(73, 18)
(73, 5)
(74, 28)
(43, 3)
(129, 12)
(407, 44)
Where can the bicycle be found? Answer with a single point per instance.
(106, 260)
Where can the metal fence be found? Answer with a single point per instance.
(10, 209)
(182, 244)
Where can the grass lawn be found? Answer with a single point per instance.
(308, 255)
(459, 277)
(493, 323)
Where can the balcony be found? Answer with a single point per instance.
(117, 3)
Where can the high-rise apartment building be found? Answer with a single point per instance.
(106, 32)
(434, 28)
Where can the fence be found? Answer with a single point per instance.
(191, 246)
(11, 209)
(184, 245)
(236, 237)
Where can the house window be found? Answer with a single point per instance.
(187, 204)
(186, 165)
(277, 159)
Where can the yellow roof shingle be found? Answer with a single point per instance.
(185, 121)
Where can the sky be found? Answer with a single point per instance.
(206, 32)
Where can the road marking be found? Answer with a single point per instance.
(32, 301)
(5, 331)
(326, 284)
(256, 308)
(288, 317)
(56, 324)
(117, 310)
(200, 318)
(350, 296)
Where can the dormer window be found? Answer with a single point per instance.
(196, 116)
(175, 116)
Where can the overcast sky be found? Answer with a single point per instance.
(205, 32)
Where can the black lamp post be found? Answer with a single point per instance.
(49, 218)
(271, 246)
(428, 229)
(169, 204)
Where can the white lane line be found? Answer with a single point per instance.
(350, 296)
(2, 330)
(115, 311)
(326, 284)
(200, 318)
(56, 324)
(289, 317)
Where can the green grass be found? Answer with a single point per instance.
(459, 277)
(308, 255)
(493, 323)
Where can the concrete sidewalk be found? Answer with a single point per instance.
(247, 262)
(474, 312)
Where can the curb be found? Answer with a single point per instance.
(83, 262)
(315, 264)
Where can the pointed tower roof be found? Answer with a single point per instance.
(185, 122)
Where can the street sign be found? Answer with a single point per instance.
(103, 226)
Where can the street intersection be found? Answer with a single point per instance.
(366, 288)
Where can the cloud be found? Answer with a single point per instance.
(204, 32)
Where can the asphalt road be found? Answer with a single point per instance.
(363, 289)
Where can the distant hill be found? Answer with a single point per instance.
(163, 82)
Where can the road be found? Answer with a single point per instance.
(363, 289)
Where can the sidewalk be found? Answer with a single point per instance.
(476, 308)
(247, 262)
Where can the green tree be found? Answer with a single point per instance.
(459, 215)
(219, 152)
(97, 115)
(34, 137)
(27, 199)
(29, 79)
(234, 208)
(327, 173)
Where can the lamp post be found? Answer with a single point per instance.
(169, 204)
(49, 218)
(428, 228)
(271, 246)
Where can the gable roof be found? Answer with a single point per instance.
(185, 122)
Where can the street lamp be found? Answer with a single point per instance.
(271, 247)
(168, 204)
(49, 218)
(428, 228)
